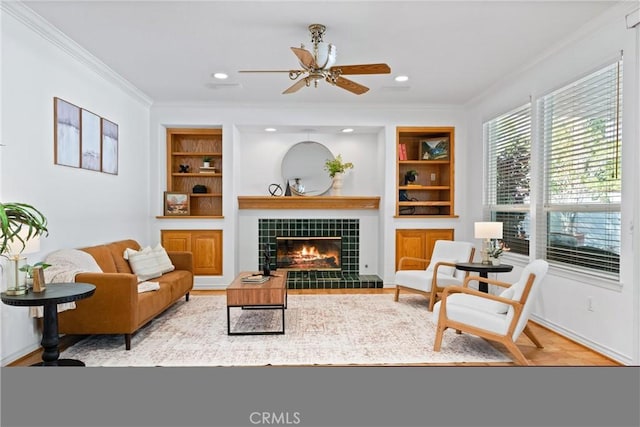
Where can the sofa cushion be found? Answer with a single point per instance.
(181, 282)
(143, 263)
(103, 257)
(117, 249)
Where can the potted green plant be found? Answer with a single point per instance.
(28, 268)
(496, 251)
(336, 166)
(206, 161)
(20, 222)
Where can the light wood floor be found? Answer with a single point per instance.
(557, 351)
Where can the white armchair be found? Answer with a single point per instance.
(500, 318)
(439, 273)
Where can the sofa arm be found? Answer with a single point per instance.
(181, 260)
(113, 306)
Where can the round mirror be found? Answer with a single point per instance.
(303, 169)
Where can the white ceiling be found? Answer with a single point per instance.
(452, 51)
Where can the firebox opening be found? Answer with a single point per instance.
(309, 253)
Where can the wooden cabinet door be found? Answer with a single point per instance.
(206, 246)
(418, 243)
(207, 252)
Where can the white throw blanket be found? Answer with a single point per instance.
(65, 264)
(148, 287)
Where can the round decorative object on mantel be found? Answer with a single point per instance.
(338, 181)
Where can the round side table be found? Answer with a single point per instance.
(483, 270)
(56, 293)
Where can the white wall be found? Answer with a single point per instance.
(82, 207)
(610, 328)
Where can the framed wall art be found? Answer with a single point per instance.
(176, 204)
(109, 147)
(434, 148)
(90, 141)
(66, 133)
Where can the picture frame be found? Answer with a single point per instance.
(66, 133)
(434, 148)
(90, 141)
(176, 204)
(38, 279)
(109, 147)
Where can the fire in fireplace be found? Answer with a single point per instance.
(309, 253)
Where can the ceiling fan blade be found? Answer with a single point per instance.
(351, 86)
(296, 86)
(269, 71)
(305, 57)
(362, 69)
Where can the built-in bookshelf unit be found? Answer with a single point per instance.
(187, 152)
(425, 172)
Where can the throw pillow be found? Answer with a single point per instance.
(143, 263)
(163, 260)
(500, 307)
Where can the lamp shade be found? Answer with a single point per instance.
(30, 246)
(488, 230)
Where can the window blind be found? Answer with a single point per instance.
(508, 178)
(580, 129)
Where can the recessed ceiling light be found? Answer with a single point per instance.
(270, 129)
(220, 76)
(401, 78)
(347, 130)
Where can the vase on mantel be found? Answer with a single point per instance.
(337, 184)
(495, 261)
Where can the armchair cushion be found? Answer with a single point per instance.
(443, 270)
(421, 279)
(473, 310)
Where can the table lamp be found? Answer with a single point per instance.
(487, 231)
(15, 252)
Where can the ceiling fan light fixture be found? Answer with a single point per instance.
(220, 76)
(401, 78)
(325, 55)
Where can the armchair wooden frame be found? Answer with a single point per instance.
(506, 339)
(436, 290)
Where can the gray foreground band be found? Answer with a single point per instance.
(321, 396)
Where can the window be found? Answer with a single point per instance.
(509, 175)
(580, 132)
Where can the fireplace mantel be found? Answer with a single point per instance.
(308, 202)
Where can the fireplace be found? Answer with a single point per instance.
(309, 253)
(344, 274)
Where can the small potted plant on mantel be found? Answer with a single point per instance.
(336, 168)
(206, 162)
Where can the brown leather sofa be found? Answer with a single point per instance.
(116, 307)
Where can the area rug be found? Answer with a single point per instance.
(345, 329)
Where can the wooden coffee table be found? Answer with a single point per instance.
(270, 295)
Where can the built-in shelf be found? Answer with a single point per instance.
(308, 202)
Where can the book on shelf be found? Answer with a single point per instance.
(402, 151)
(255, 278)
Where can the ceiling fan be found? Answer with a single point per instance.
(318, 64)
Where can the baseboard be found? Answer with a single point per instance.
(579, 339)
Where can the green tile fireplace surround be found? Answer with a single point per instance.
(347, 229)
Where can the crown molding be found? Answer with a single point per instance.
(47, 31)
